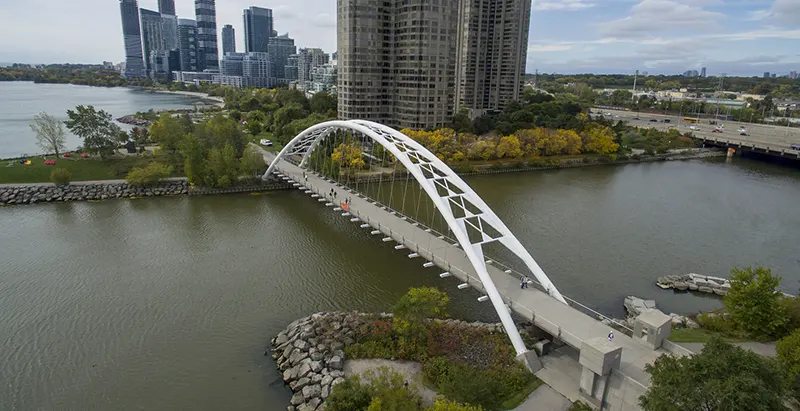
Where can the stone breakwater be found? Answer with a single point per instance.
(32, 194)
(136, 121)
(310, 353)
(695, 282)
(45, 193)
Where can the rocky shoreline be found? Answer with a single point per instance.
(695, 282)
(47, 193)
(133, 120)
(310, 353)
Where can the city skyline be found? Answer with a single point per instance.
(740, 37)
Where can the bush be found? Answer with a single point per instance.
(441, 404)
(147, 176)
(488, 387)
(381, 389)
(60, 176)
(754, 304)
(788, 349)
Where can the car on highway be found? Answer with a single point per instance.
(743, 132)
(694, 128)
(666, 120)
(795, 146)
(636, 118)
(265, 142)
(608, 114)
(652, 120)
(716, 130)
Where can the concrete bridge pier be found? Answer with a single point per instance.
(598, 358)
(530, 359)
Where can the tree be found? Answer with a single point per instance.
(167, 131)
(442, 404)
(49, 133)
(252, 162)
(754, 302)
(722, 377)
(509, 147)
(140, 136)
(415, 306)
(60, 176)
(788, 349)
(348, 156)
(462, 123)
(222, 166)
(194, 165)
(96, 128)
(599, 139)
(374, 390)
(147, 176)
(323, 103)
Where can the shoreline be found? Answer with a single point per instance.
(218, 101)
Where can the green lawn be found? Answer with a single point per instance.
(518, 398)
(81, 169)
(698, 335)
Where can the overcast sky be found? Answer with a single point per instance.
(738, 37)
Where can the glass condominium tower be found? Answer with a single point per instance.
(132, 35)
(258, 28)
(206, 13)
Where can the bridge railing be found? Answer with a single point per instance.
(474, 282)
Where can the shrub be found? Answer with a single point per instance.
(441, 404)
(381, 389)
(147, 176)
(754, 304)
(60, 176)
(788, 349)
(417, 305)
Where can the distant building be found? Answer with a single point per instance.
(691, 73)
(290, 70)
(307, 59)
(235, 81)
(208, 54)
(490, 54)
(132, 37)
(232, 64)
(108, 65)
(152, 36)
(166, 7)
(793, 75)
(279, 49)
(323, 78)
(228, 40)
(703, 72)
(255, 68)
(187, 44)
(766, 74)
(774, 75)
(164, 63)
(258, 28)
(194, 77)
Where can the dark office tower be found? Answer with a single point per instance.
(187, 44)
(491, 47)
(703, 72)
(152, 36)
(166, 7)
(228, 40)
(257, 29)
(131, 34)
(279, 49)
(206, 13)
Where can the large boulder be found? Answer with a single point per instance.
(335, 363)
(635, 305)
(312, 391)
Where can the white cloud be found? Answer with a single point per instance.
(649, 16)
(539, 48)
(562, 5)
(782, 12)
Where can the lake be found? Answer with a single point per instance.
(170, 303)
(20, 101)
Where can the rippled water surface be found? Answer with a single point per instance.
(169, 303)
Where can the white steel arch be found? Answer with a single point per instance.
(460, 206)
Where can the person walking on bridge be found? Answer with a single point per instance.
(524, 283)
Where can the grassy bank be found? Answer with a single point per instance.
(81, 169)
(698, 335)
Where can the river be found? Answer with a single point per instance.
(20, 101)
(169, 303)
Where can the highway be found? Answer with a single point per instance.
(774, 137)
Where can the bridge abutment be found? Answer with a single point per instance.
(598, 358)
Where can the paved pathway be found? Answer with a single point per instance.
(572, 326)
(545, 399)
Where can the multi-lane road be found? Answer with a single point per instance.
(762, 135)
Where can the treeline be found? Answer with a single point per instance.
(283, 112)
(65, 74)
(779, 87)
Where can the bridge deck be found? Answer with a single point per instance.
(572, 326)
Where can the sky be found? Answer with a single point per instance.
(736, 37)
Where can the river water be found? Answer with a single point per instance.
(20, 101)
(169, 303)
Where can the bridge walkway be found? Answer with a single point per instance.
(570, 325)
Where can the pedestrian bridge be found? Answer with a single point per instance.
(457, 251)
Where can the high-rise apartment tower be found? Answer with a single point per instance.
(492, 47)
(206, 13)
(166, 7)
(228, 40)
(258, 28)
(187, 44)
(397, 61)
(132, 36)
